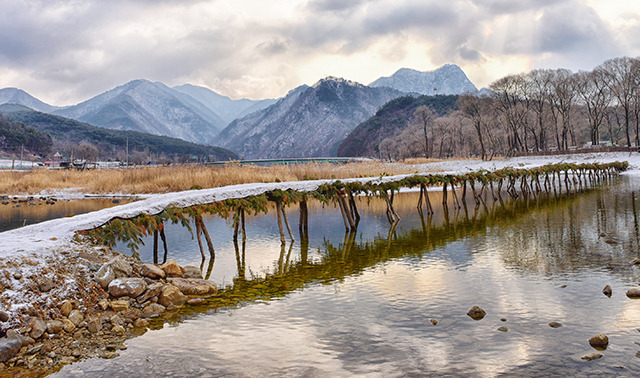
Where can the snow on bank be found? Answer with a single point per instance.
(42, 238)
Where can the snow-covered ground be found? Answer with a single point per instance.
(39, 239)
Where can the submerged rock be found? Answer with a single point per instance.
(633, 293)
(503, 329)
(433, 321)
(476, 313)
(592, 356)
(555, 325)
(607, 291)
(600, 341)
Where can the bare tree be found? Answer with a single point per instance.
(423, 118)
(593, 91)
(622, 83)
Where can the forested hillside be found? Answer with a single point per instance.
(389, 122)
(15, 136)
(68, 133)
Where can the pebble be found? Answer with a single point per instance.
(433, 321)
(607, 291)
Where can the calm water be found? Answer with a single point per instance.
(16, 214)
(360, 304)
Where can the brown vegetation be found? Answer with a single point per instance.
(175, 178)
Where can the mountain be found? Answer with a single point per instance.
(307, 122)
(389, 121)
(18, 138)
(20, 97)
(150, 107)
(226, 108)
(110, 142)
(446, 80)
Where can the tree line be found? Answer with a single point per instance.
(542, 110)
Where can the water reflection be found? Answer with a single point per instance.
(337, 304)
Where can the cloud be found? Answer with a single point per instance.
(66, 51)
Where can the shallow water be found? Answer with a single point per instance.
(16, 214)
(360, 304)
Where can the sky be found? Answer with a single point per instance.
(64, 52)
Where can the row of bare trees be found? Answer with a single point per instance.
(536, 111)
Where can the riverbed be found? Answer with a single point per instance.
(363, 303)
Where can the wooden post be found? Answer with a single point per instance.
(303, 226)
(353, 207)
(198, 232)
(155, 246)
(163, 237)
(212, 252)
(279, 218)
(286, 222)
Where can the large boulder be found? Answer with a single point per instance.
(117, 267)
(104, 276)
(194, 286)
(171, 295)
(127, 287)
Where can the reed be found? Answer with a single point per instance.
(141, 180)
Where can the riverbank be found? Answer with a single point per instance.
(44, 267)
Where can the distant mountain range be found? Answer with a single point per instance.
(308, 121)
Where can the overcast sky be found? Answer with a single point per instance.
(64, 52)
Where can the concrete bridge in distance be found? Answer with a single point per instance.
(289, 161)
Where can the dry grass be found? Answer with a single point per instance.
(175, 178)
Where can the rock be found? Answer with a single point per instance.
(603, 234)
(633, 293)
(4, 317)
(555, 325)
(35, 349)
(193, 286)
(131, 314)
(503, 329)
(476, 313)
(118, 330)
(116, 320)
(192, 272)
(38, 326)
(592, 356)
(130, 287)
(433, 321)
(599, 341)
(172, 269)
(68, 325)
(76, 317)
(503, 319)
(171, 295)
(9, 348)
(153, 290)
(196, 301)
(54, 326)
(45, 284)
(141, 323)
(104, 276)
(607, 291)
(65, 308)
(119, 305)
(635, 261)
(152, 271)
(120, 266)
(103, 304)
(153, 310)
(94, 325)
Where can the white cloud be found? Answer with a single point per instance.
(66, 51)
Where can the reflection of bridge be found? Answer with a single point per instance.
(289, 161)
